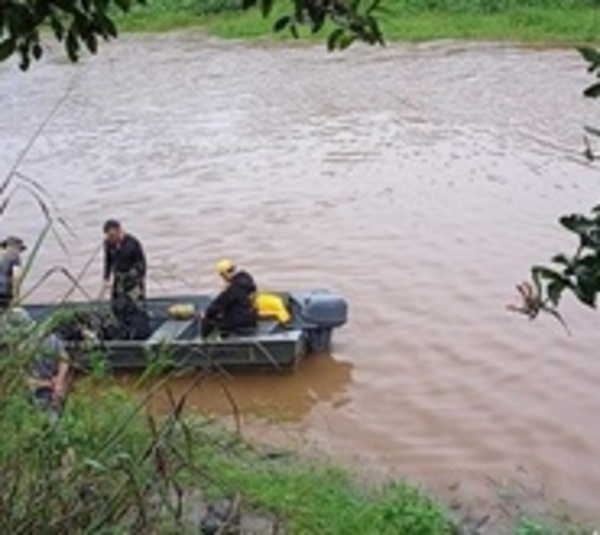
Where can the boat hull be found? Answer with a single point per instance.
(177, 343)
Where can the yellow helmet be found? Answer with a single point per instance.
(225, 266)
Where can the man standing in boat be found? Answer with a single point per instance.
(124, 263)
(233, 309)
(124, 274)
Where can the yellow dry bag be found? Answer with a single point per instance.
(272, 306)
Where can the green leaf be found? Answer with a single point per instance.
(294, 30)
(373, 7)
(123, 5)
(593, 91)
(334, 38)
(282, 23)
(591, 55)
(575, 223)
(586, 293)
(541, 272)
(37, 51)
(92, 43)
(57, 27)
(266, 7)
(318, 20)
(94, 465)
(561, 259)
(346, 41)
(247, 4)
(100, 5)
(25, 57)
(72, 46)
(106, 25)
(7, 49)
(555, 290)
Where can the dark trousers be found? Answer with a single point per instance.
(226, 326)
(127, 305)
(134, 288)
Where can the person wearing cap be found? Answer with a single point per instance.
(125, 278)
(10, 270)
(233, 309)
(124, 262)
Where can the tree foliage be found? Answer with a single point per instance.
(351, 20)
(78, 24)
(579, 272)
(83, 24)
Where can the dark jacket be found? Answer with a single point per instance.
(9, 259)
(234, 306)
(126, 262)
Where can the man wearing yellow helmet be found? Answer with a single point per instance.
(233, 309)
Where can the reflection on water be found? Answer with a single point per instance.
(274, 396)
(419, 181)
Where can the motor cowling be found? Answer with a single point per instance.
(323, 309)
(320, 312)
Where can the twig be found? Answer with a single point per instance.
(37, 133)
(48, 274)
(234, 406)
(76, 282)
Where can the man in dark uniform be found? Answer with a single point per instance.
(125, 276)
(233, 309)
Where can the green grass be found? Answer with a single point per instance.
(533, 21)
(544, 25)
(317, 498)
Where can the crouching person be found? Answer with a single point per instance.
(47, 362)
(232, 311)
(49, 373)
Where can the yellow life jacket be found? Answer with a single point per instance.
(269, 306)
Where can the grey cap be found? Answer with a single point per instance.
(14, 242)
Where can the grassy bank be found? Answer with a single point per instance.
(106, 466)
(533, 21)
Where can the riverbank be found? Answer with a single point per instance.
(121, 468)
(548, 25)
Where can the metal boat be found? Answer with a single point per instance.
(176, 342)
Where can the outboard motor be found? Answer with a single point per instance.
(321, 312)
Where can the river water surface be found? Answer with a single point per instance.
(419, 181)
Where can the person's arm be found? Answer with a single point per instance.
(16, 277)
(60, 380)
(107, 262)
(141, 260)
(107, 270)
(221, 303)
(34, 383)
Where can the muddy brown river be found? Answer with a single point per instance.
(419, 181)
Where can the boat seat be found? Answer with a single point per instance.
(169, 330)
(267, 326)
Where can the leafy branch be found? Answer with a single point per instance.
(351, 21)
(578, 273)
(78, 24)
(592, 57)
(82, 24)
